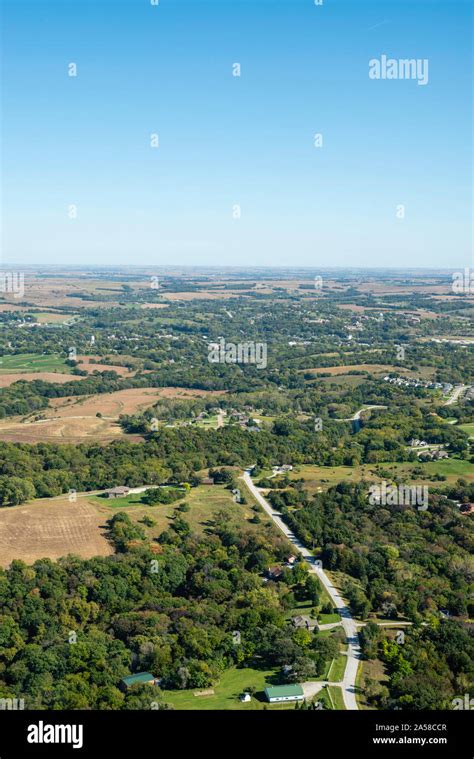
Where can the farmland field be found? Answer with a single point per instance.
(54, 527)
(32, 362)
(51, 528)
(74, 418)
(468, 428)
(322, 477)
(204, 502)
(56, 377)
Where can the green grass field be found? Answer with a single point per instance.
(51, 317)
(337, 668)
(204, 502)
(328, 619)
(468, 428)
(226, 694)
(323, 477)
(208, 423)
(336, 698)
(32, 362)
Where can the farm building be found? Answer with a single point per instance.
(245, 697)
(119, 492)
(280, 693)
(140, 678)
(207, 481)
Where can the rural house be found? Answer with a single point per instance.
(119, 492)
(274, 573)
(302, 620)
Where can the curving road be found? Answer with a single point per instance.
(348, 683)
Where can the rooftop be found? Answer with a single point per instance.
(279, 691)
(140, 677)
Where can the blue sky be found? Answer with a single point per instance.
(227, 141)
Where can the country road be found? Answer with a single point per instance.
(458, 390)
(356, 417)
(348, 683)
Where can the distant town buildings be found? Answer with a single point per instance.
(445, 387)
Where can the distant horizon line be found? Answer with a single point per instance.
(234, 267)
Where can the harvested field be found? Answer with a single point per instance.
(373, 368)
(73, 419)
(92, 363)
(205, 295)
(51, 528)
(111, 405)
(58, 377)
(77, 430)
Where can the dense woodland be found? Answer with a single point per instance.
(71, 630)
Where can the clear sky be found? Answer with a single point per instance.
(84, 141)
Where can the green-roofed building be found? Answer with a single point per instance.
(141, 678)
(284, 693)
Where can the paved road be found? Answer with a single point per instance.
(348, 684)
(458, 390)
(356, 417)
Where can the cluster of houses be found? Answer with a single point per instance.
(415, 443)
(238, 417)
(243, 420)
(445, 387)
(274, 573)
(428, 453)
(433, 454)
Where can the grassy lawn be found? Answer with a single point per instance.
(50, 317)
(335, 694)
(324, 698)
(328, 619)
(209, 422)
(323, 477)
(337, 668)
(204, 504)
(325, 633)
(468, 428)
(301, 607)
(233, 682)
(33, 362)
(370, 669)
